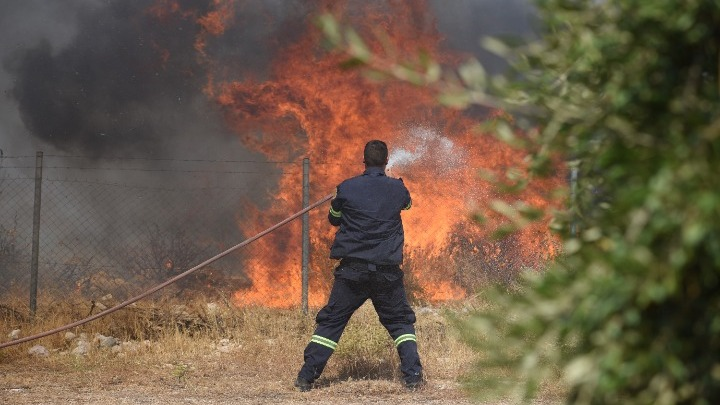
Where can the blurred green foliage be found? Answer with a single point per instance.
(630, 313)
(627, 92)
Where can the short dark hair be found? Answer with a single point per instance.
(375, 154)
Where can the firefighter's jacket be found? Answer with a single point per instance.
(367, 210)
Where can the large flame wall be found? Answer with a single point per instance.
(305, 105)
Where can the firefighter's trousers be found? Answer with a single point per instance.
(354, 283)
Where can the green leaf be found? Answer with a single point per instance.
(504, 132)
(479, 218)
(473, 74)
(356, 46)
(351, 63)
(330, 29)
(503, 231)
(496, 46)
(433, 72)
(510, 212)
(408, 74)
(455, 98)
(531, 213)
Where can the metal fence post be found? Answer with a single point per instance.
(305, 235)
(573, 196)
(36, 233)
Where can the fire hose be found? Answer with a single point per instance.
(170, 281)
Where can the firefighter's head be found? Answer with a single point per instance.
(375, 154)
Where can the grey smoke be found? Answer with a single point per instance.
(465, 23)
(89, 75)
(123, 82)
(103, 78)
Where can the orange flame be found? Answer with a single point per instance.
(311, 107)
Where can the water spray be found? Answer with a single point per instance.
(170, 281)
(423, 145)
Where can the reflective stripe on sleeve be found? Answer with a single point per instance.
(405, 338)
(407, 207)
(336, 214)
(323, 341)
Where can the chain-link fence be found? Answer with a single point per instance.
(107, 230)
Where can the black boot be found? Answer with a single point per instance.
(303, 385)
(415, 383)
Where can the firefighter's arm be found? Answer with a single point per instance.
(335, 212)
(409, 204)
(408, 200)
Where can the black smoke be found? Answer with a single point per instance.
(110, 89)
(131, 80)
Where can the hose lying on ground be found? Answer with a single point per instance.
(170, 281)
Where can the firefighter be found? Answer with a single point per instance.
(369, 244)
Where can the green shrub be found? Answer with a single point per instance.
(630, 313)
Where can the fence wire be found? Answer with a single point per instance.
(110, 230)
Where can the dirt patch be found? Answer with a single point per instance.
(212, 381)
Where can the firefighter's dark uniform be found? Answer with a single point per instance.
(369, 243)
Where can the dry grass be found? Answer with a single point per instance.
(193, 328)
(215, 347)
